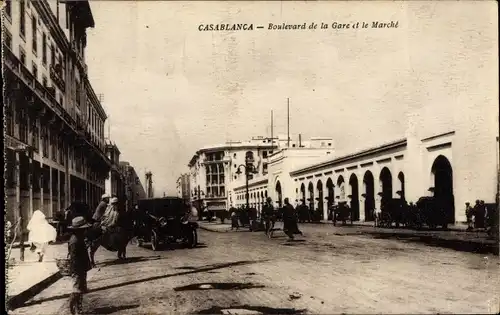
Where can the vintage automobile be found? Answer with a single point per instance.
(163, 221)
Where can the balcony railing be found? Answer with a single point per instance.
(56, 76)
(47, 95)
(43, 93)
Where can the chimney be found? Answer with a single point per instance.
(300, 140)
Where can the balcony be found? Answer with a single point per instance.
(57, 77)
(46, 95)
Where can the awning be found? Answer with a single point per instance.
(216, 206)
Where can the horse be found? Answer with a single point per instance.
(115, 239)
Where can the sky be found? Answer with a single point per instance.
(170, 89)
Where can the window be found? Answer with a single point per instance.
(35, 71)
(44, 49)
(35, 137)
(77, 93)
(22, 18)
(52, 55)
(22, 56)
(33, 34)
(23, 126)
(53, 145)
(44, 81)
(61, 100)
(264, 154)
(8, 8)
(8, 38)
(9, 119)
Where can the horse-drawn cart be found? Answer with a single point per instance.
(165, 221)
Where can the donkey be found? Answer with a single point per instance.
(115, 239)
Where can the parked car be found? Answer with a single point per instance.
(164, 221)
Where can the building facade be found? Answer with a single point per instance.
(289, 155)
(134, 190)
(183, 187)
(422, 164)
(114, 184)
(54, 140)
(214, 169)
(218, 173)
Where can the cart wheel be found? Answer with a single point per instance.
(154, 241)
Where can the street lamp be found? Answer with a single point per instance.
(249, 169)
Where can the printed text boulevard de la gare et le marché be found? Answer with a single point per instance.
(303, 26)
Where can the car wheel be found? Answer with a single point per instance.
(154, 241)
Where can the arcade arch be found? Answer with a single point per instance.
(311, 196)
(319, 187)
(386, 185)
(443, 186)
(353, 182)
(279, 194)
(331, 192)
(369, 194)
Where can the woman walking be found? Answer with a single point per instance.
(41, 233)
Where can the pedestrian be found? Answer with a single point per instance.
(469, 211)
(269, 216)
(290, 226)
(79, 263)
(479, 212)
(41, 233)
(234, 221)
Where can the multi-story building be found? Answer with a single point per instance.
(183, 187)
(54, 123)
(289, 154)
(214, 169)
(134, 190)
(114, 183)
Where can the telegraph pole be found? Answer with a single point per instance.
(288, 122)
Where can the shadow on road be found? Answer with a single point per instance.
(112, 309)
(132, 282)
(218, 286)
(294, 242)
(261, 309)
(174, 246)
(129, 260)
(435, 241)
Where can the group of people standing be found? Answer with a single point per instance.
(479, 216)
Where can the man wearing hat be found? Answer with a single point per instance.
(79, 263)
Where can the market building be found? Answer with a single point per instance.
(458, 165)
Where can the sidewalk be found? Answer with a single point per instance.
(27, 278)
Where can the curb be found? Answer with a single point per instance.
(18, 300)
(212, 230)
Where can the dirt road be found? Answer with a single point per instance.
(322, 272)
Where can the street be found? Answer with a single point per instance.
(326, 271)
